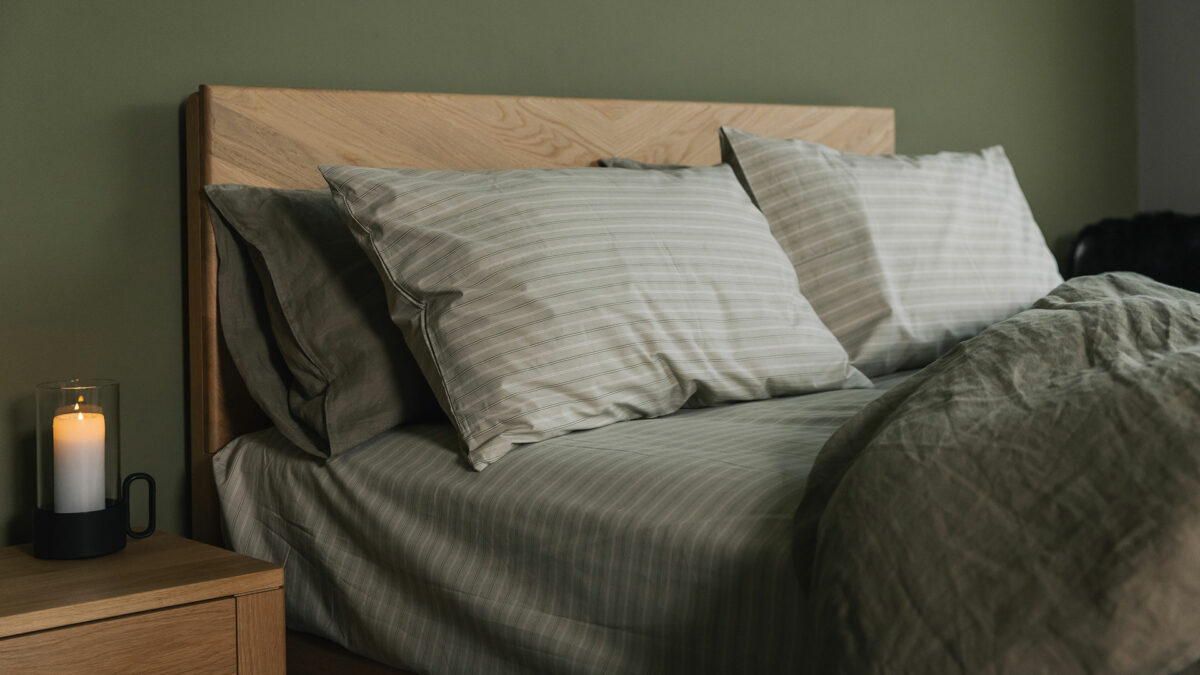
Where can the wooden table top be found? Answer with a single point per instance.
(160, 571)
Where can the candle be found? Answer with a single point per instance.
(78, 459)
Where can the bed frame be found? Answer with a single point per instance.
(276, 138)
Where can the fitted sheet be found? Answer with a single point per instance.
(648, 546)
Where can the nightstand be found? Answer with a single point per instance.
(163, 604)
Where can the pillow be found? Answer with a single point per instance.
(347, 374)
(626, 163)
(542, 301)
(242, 308)
(902, 257)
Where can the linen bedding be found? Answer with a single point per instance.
(902, 257)
(648, 546)
(543, 301)
(1030, 503)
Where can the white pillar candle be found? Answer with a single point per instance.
(78, 460)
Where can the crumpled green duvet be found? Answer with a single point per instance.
(1030, 503)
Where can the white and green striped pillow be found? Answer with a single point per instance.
(542, 301)
(902, 257)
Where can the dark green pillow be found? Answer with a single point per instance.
(347, 375)
(625, 163)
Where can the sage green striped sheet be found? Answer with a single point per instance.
(542, 301)
(648, 546)
(902, 257)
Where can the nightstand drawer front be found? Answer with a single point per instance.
(199, 638)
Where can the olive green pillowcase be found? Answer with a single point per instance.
(626, 163)
(346, 375)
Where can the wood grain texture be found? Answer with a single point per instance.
(261, 643)
(220, 406)
(149, 574)
(311, 655)
(277, 137)
(198, 638)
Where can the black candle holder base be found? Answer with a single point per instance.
(67, 536)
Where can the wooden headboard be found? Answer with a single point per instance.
(277, 137)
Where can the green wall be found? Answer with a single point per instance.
(91, 271)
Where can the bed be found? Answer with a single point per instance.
(648, 545)
(277, 137)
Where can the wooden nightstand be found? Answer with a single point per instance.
(163, 605)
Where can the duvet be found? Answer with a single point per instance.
(1029, 503)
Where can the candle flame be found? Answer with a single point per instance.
(80, 416)
(77, 406)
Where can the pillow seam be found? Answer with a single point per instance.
(421, 314)
(349, 210)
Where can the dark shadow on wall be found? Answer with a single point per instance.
(1061, 248)
(147, 212)
(22, 480)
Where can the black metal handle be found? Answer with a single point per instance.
(125, 493)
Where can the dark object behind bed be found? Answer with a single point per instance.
(1164, 246)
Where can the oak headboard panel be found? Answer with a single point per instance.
(277, 137)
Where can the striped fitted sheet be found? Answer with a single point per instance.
(648, 546)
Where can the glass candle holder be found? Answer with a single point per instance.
(81, 507)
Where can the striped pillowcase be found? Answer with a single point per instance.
(902, 257)
(542, 301)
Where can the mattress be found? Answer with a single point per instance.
(648, 546)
